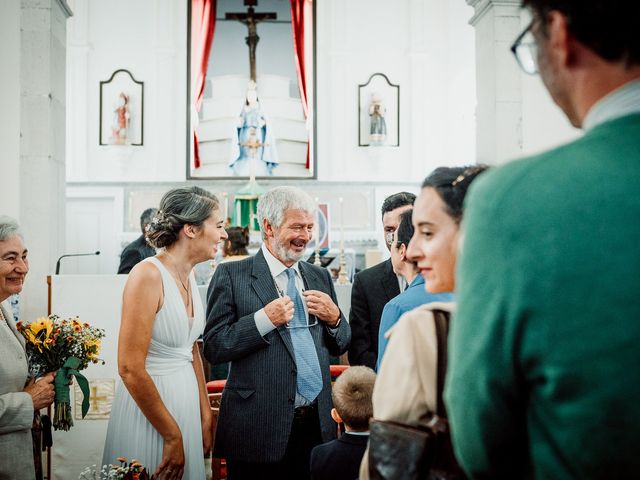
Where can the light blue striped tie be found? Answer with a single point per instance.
(309, 378)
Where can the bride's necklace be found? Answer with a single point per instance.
(186, 289)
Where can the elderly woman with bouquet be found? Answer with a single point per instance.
(20, 396)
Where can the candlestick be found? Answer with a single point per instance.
(341, 226)
(342, 275)
(316, 234)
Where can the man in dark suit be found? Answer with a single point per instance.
(277, 321)
(139, 249)
(340, 459)
(374, 287)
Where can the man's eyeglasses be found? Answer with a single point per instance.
(526, 51)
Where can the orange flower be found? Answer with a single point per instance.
(77, 328)
(19, 326)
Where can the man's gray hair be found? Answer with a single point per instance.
(273, 204)
(8, 228)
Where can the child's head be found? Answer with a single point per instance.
(351, 395)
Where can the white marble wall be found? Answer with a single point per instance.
(33, 134)
(149, 39)
(10, 112)
(515, 115)
(425, 46)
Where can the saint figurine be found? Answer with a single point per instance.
(378, 129)
(254, 152)
(120, 127)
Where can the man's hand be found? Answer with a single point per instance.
(321, 305)
(280, 311)
(42, 391)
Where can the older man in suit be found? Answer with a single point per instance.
(374, 287)
(277, 321)
(19, 397)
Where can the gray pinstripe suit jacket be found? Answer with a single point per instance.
(257, 406)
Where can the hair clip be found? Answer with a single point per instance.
(467, 173)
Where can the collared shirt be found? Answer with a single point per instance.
(619, 103)
(411, 298)
(279, 275)
(362, 434)
(280, 278)
(402, 283)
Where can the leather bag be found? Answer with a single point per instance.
(399, 451)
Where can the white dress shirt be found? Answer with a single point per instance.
(279, 275)
(619, 103)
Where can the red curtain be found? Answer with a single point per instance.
(203, 22)
(301, 22)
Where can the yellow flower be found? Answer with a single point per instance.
(40, 325)
(39, 331)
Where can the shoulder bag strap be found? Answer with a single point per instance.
(441, 319)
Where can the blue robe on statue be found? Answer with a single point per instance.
(253, 128)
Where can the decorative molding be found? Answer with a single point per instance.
(64, 6)
(483, 6)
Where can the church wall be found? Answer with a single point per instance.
(515, 114)
(411, 43)
(425, 46)
(10, 111)
(148, 38)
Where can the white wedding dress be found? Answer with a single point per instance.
(169, 363)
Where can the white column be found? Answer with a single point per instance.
(42, 143)
(10, 111)
(499, 110)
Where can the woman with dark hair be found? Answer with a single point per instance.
(161, 413)
(235, 246)
(406, 389)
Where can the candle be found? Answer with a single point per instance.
(341, 226)
(316, 232)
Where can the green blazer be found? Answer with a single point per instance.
(544, 372)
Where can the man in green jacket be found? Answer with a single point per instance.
(544, 372)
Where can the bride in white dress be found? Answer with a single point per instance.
(160, 414)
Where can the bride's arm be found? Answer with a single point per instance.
(205, 408)
(142, 299)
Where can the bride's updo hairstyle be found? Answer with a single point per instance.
(179, 207)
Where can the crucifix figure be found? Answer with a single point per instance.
(251, 20)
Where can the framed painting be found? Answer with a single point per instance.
(121, 110)
(251, 95)
(378, 112)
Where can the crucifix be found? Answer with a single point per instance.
(251, 20)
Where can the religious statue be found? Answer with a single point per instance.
(254, 152)
(120, 127)
(378, 129)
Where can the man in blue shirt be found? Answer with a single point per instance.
(415, 294)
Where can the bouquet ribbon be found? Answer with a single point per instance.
(61, 383)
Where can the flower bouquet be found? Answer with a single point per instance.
(65, 346)
(124, 471)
